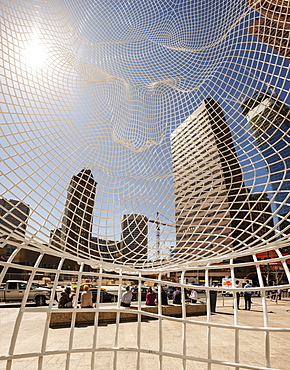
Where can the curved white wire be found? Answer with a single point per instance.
(145, 140)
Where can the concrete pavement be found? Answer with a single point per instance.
(253, 344)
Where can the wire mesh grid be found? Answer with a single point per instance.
(144, 145)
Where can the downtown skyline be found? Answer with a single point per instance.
(121, 130)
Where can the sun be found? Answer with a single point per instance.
(34, 54)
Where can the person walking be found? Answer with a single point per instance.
(247, 295)
(164, 298)
(238, 295)
(193, 296)
(127, 297)
(177, 296)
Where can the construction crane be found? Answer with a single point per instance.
(158, 223)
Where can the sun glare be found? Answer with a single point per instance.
(34, 53)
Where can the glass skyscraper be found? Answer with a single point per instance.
(211, 200)
(269, 120)
(78, 214)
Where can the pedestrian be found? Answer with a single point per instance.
(177, 296)
(164, 298)
(66, 298)
(150, 298)
(127, 297)
(86, 298)
(238, 294)
(193, 296)
(273, 294)
(247, 295)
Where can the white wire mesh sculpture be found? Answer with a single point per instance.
(143, 140)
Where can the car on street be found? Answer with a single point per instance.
(144, 291)
(200, 290)
(105, 296)
(90, 285)
(14, 291)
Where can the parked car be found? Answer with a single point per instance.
(90, 285)
(14, 290)
(104, 296)
(144, 291)
(37, 285)
(200, 290)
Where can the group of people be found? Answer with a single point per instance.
(247, 295)
(86, 299)
(66, 298)
(150, 297)
(177, 296)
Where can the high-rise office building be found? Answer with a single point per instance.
(269, 120)
(78, 215)
(261, 217)
(13, 222)
(134, 244)
(273, 28)
(56, 238)
(105, 250)
(211, 201)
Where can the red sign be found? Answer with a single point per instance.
(228, 282)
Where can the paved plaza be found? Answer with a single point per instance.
(251, 342)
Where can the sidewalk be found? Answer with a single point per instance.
(252, 343)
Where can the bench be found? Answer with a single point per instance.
(62, 319)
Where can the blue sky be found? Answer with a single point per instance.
(116, 80)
